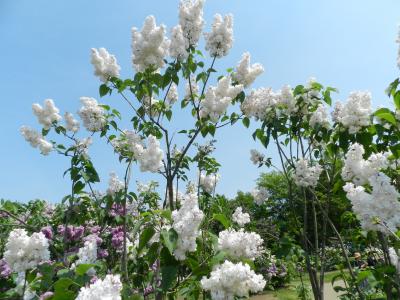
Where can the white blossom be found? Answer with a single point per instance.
(306, 175)
(394, 259)
(70, 123)
(105, 64)
(219, 41)
(217, 99)
(36, 140)
(288, 100)
(179, 45)
(229, 280)
(150, 46)
(107, 289)
(246, 74)
(337, 111)
(256, 157)
(172, 95)
(240, 217)
(24, 252)
(319, 117)
(151, 106)
(83, 145)
(186, 222)
(208, 182)
(260, 195)
(48, 114)
(356, 112)
(240, 244)
(92, 114)
(378, 210)
(359, 170)
(114, 185)
(87, 254)
(130, 141)
(151, 158)
(260, 102)
(191, 88)
(191, 20)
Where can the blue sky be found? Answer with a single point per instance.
(45, 48)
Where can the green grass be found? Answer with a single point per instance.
(289, 292)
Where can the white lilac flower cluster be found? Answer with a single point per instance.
(191, 20)
(71, 124)
(260, 102)
(151, 158)
(149, 46)
(179, 45)
(92, 114)
(260, 195)
(394, 259)
(378, 210)
(256, 157)
(240, 217)
(108, 288)
(220, 40)
(48, 114)
(229, 280)
(306, 175)
(186, 222)
(355, 113)
(114, 185)
(151, 106)
(82, 146)
(36, 140)
(208, 182)
(87, 254)
(246, 74)
(319, 117)
(359, 170)
(172, 95)
(129, 141)
(288, 100)
(191, 88)
(217, 99)
(105, 64)
(240, 244)
(24, 252)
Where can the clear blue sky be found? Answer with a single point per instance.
(44, 50)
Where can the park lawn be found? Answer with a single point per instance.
(289, 292)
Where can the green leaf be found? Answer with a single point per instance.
(222, 219)
(392, 87)
(169, 239)
(168, 274)
(211, 129)
(78, 187)
(83, 268)
(168, 114)
(396, 99)
(62, 291)
(45, 131)
(218, 258)
(385, 114)
(103, 90)
(204, 131)
(145, 237)
(246, 122)
(114, 124)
